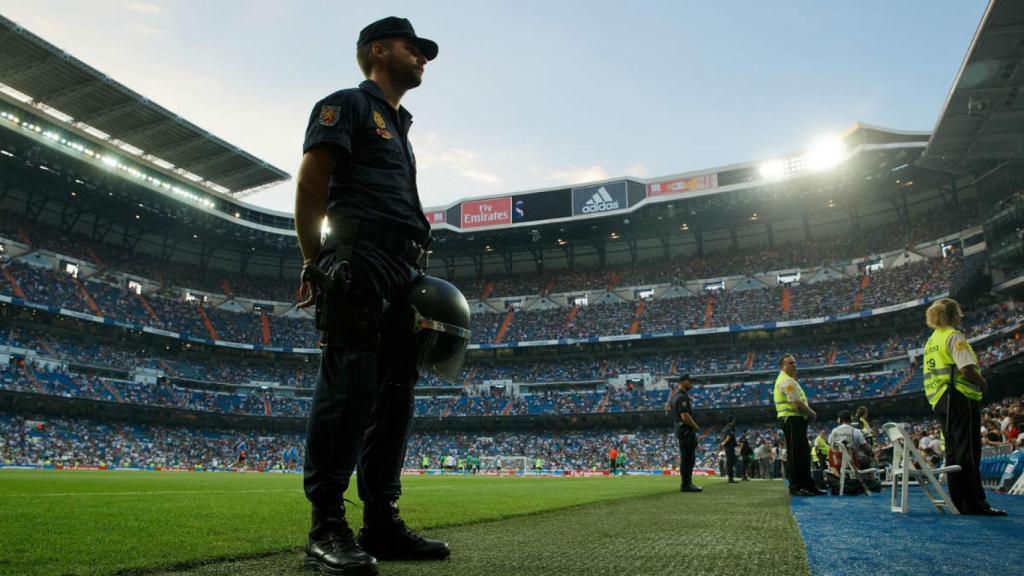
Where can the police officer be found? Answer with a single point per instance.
(686, 432)
(358, 170)
(728, 444)
(954, 385)
(793, 412)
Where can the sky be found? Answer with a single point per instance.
(535, 93)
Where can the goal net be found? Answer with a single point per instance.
(505, 464)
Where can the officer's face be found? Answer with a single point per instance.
(405, 63)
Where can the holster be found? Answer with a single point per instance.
(331, 297)
(346, 314)
(348, 311)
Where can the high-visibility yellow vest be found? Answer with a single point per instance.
(783, 407)
(821, 445)
(866, 430)
(939, 368)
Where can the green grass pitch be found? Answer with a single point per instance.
(75, 522)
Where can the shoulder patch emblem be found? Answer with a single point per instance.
(961, 345)
(378, 119)
(329, 115)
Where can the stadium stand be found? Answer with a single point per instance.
(270, 389)
(51, 441)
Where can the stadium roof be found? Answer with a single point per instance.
(982, 122)
(44, 76)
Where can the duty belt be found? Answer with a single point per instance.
(348, 232)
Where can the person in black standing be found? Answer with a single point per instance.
(358, 170)
(686, 432)
(746, 459)
(729, 445)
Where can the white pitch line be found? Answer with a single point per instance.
(174, 492)
(145, 493)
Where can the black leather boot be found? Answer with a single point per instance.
(386, 537)
(332, 547)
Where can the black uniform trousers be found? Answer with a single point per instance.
(730, 461)
(687, 457)
(961, 425)
(798, 453)
(363, 405)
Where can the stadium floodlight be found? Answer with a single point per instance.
(773, 170)
(826, 154)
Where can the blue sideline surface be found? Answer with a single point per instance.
(858, 535)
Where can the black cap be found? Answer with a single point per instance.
(395, 27)
(682, 377)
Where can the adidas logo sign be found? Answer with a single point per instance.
(601, 201)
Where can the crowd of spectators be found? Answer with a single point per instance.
(58, 381)
(109, 257)
(722, 307)
(300, 371)
(166, 309)
(173, 390)
(50, 287)
(831, 250)
(39, 440)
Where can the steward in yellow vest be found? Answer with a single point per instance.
(794, 412)
(953, 385)
(940, 368)
(821, 450)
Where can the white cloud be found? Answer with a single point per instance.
(144, 8)
(637, 169)
(143, 29)
(485, 177)
(578, 175)
(431, 154)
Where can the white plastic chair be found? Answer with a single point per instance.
(908, 463)
(1018, 487)
(846, 468)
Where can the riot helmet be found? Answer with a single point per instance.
(440, 326)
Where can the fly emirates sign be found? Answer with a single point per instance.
(489, 212)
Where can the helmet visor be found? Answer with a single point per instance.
(442, 347)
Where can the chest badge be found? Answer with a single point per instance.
(382, 127)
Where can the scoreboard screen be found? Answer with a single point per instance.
(546, 205)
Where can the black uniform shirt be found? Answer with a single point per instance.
(730, 432)
(681, 405)
(375, 178)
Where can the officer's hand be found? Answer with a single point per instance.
(307, 294)
(307, 291)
